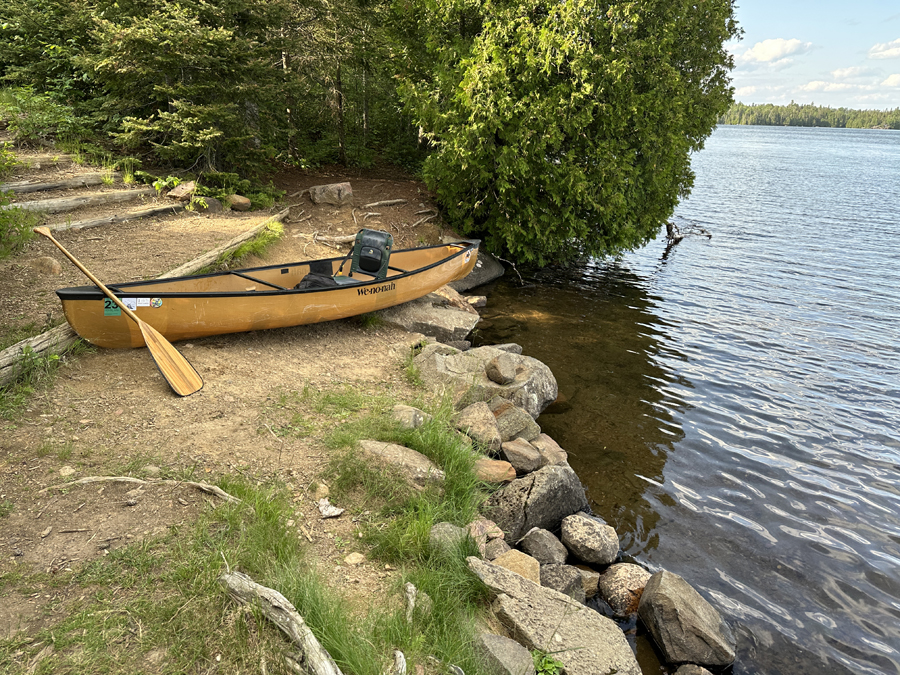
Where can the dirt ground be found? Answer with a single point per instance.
(111, 411)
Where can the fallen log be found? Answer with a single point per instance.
(71, 203)
(61, 338)
(387, 202)
(276, 608)
(40, 161)
(203, 487)
(84, 180)
(125, 217)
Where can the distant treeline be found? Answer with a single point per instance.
(797, 115)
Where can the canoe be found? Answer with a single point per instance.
(236, 301)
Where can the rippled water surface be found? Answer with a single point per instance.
(733, 403)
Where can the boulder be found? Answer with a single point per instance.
(685, 627)
(510, 347)
(208, 205)
(586, 642)
(495, 548)
(522, 455)
(494, 470)
(520, 563)
(477, 301)
(590, 539)
(543, 546)
(503, 656)
(414, 466)
(563, 578)
(463, 375)
(433, 317)
(478, 423)
(549, 450)
(515, 423)
(453, 299)
(540, 499)
(484, 531)
(589, 579)
(691, 669)
(238, 203)
(409, 417)
(183, 191)
(502, 368)
(621, 586)
(446, 537)
(487, 268)
(337, 194)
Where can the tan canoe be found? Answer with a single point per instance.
(186, 308)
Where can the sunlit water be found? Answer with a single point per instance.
(733, 404)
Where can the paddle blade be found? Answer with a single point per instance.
(179, 373)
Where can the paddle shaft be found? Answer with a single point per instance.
(109, 294)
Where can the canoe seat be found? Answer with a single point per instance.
(369, 256)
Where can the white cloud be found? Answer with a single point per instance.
(745, 91)
(774, 51)
(886, 50)
(819, 85)
(892, 81)
(851, 73)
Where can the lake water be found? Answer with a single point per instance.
(733, 403)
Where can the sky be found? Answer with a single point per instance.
(837, 54)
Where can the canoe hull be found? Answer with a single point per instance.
(188, 308)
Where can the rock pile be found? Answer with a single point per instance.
(543, 552)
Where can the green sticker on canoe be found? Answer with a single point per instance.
(110, 308)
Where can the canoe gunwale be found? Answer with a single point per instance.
(123, 289)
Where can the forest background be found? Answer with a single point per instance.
(551, 130)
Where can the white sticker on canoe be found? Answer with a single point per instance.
(130, 303)
(143, 302)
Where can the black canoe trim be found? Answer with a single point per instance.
(122, 290)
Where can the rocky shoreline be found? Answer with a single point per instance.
(544, 556)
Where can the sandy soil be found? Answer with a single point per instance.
(111, 408)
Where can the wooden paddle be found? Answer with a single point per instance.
(179, 373)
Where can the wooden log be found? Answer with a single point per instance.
(203, 487)
(40, 161)
(84, 180)
(71, 203)
(282, 613)
(61, 338)
(386, 202)
(124, 218)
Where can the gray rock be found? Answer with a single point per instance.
(589, 579)
(463, 375)
(586, 642)
(692, 669)
(522, 455)
(540, 499)
(431, 316)
(543, 546)
(414, 466)
(502, 368)
(338, 194)
(484, 531)
(477, 301)
(590, 539)
(565, 579)
(183, 191)
(239, 203)
(446, 537)
(621, 586)
(495, 548)
(487, 268)
(515, 423)
(549, 450)
(685, 627)
(209, 205)
(409, 417)
(510, 347)
(502, 656)
(478, 423)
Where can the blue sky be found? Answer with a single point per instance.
(823, 52)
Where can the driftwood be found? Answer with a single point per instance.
(387, 202)
(346, 239)
(71, 203)
(204, 487)
(62, 337)
(125, 217)
(276, 608)
(83, 180)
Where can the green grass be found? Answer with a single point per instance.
(16, 226)
(34, 372)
